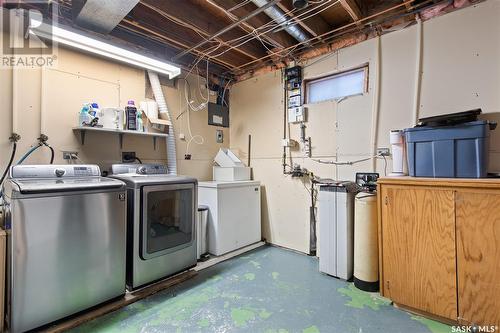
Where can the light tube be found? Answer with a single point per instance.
(91, 45)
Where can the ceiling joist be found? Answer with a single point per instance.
(352, 8)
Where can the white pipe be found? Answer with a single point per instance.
(163, 108)
(418, 73)
(375, 103)
(43, 130)
(14, 99)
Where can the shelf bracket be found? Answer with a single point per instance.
(82, 137)
(120, 138)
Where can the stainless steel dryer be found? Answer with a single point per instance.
(161, 213)
(66, 242)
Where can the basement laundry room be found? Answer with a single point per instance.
(260, 166)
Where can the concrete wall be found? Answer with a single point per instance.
(461, 71)
(80, 78)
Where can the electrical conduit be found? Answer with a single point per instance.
(162, 107)
(418, 74)
(375, 104)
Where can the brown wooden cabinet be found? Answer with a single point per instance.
(440, 247)
(478, 256)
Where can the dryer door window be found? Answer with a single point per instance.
(168, 214)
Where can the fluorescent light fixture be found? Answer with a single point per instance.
(91, 45)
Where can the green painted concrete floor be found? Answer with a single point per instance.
(269, 290)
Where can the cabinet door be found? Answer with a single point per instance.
(418, 249)
(478, 250)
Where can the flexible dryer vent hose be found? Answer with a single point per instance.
(162, 107)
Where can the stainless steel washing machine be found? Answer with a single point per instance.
(161, 213)
(66, 242)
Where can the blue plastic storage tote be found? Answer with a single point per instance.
(459, 151)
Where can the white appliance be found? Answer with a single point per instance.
(66, 242)
(336, 229)
(234, 214)
(366, 242)
(398, 153)
(161, 215)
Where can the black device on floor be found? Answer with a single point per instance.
(367, 181)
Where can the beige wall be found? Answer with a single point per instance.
(460, 71)
(81, 78)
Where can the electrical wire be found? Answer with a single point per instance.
(138, 159)
(331, 32)
(385, 164)
(75, 156)
(14, 148)
(224, 93)
(287, 22)
(239, 5)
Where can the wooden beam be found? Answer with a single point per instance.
(126, 23)
(408, 8)
(249, 50)
(315, 25)
(352, 9)
(202, 23)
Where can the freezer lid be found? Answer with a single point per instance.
(228, 184)
(52, 185)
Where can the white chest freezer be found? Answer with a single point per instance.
(234, 214)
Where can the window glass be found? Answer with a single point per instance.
(336, 86)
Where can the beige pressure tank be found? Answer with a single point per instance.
(366, 242)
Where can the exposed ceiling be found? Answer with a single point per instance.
(238, 37)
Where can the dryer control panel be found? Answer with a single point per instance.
(152, 169)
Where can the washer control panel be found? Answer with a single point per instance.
(54, 171)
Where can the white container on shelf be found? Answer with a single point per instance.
(231, 173)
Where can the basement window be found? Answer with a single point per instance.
(336, 86)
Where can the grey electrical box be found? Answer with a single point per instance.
(218, 115)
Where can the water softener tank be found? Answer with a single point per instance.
(366, 242)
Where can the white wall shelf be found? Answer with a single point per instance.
(84, 129)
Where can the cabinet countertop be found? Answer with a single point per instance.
(442, 182)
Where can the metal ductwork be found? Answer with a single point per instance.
(101, 16)
(279, 17)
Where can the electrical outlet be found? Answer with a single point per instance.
(128, 156)
(70, 155)
(383, 152)
(182, 136)
(219, 136)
